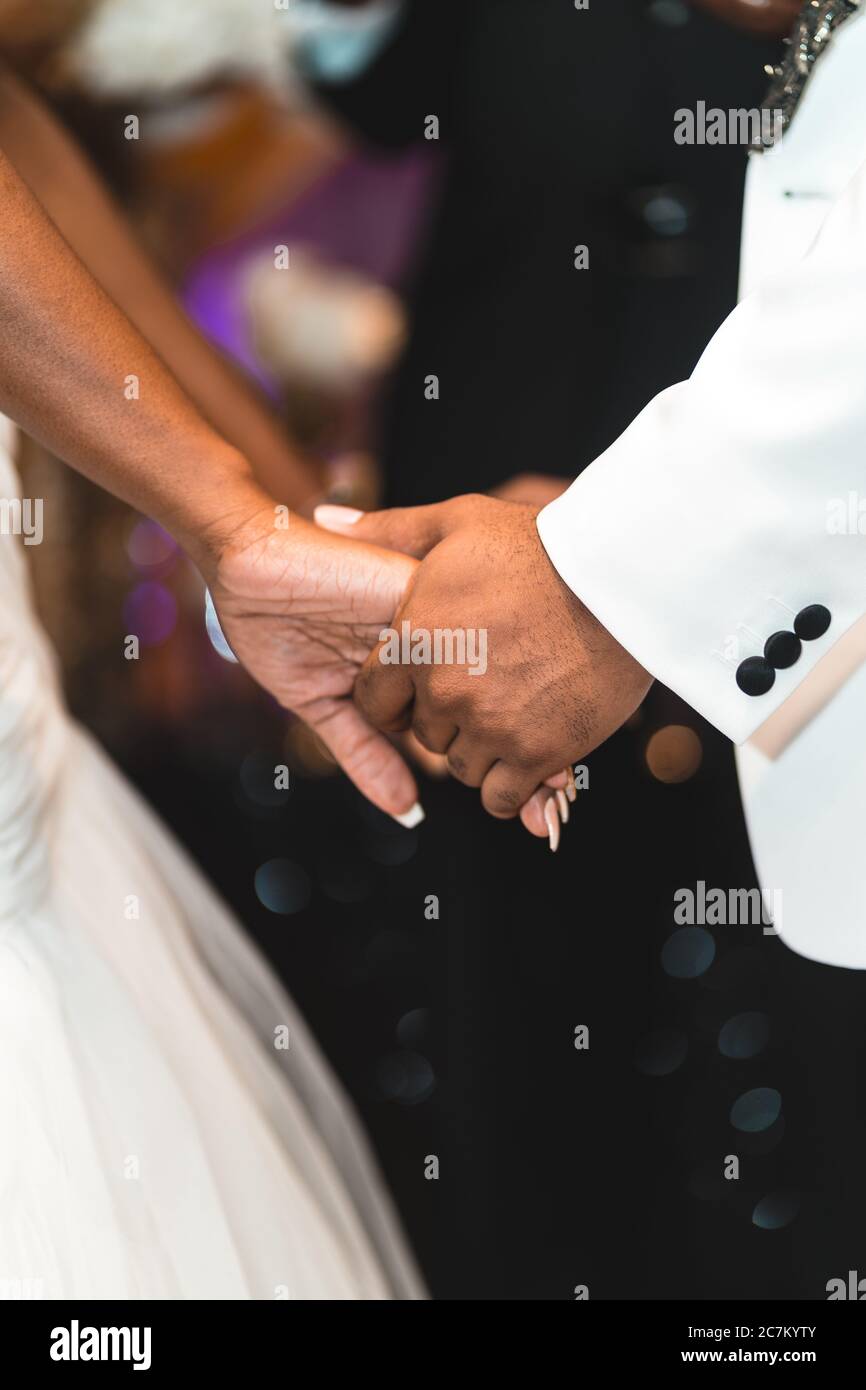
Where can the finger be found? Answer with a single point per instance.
(536, 489)
(367, 757)
(551, 815)
(413, 530)
(435, 732)
(468, 761)
(506, 789)
(532, 812)
(385, 693)
(543, 815)
(560, 786)
(432, 763)
(558, 780)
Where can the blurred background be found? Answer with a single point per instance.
(343, 248)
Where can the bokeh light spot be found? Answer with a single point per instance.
(405, 1077)
(756, 1110)
(149, 546)
(150, 612)
(258, 778)
(776, 1210)
(413, 1027)
(661, 1052)
(688, 953)
(744, 1036)
(674, 753)
(282, 887)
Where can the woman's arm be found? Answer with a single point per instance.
(301, 609)
(56, 171)
(76, 374)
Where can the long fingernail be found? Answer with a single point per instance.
(562, 803)
(409, 819)
(570, 788)
(559, 779)
(328, 514)
(552, 820)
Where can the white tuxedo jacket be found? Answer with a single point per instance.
(718, 538)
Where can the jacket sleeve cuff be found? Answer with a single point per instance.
(676, 563)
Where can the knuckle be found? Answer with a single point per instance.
(468, 502)
(395, 723)
(459, 768)
(502, 801)
(432, 742)
(367, 696)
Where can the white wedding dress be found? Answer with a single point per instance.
(154, 1143)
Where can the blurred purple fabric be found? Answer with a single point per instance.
(364, 214)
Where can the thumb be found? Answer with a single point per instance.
(414, 530)
(367, 757)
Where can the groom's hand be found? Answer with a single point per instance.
(556, 683)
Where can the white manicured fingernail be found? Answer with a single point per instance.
(410, 819)
(214, 630)
(329, 514)
(562, 803)
(552, 820)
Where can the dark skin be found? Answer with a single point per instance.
(558, 684)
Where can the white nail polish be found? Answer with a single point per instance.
(409, 819)
(562, 803)
(552, 820)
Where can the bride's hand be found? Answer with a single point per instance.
(302, 609)
(547, 810)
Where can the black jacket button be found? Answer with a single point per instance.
(755, 675)
(812, 622)
(782, 649)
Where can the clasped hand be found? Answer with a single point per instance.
(554, 683)
(312, 615)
